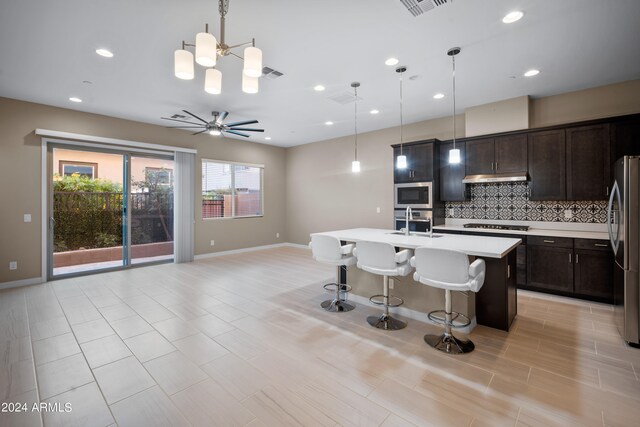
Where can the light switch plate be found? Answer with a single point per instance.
(13, 265)
(377, 210)
(27, 217)
(213, 242)
(568, 214)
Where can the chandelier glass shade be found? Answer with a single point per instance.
(183, 64)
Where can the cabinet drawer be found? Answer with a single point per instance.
(592, 244)
(558, 242)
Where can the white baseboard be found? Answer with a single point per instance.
(250, 249)
(23, 282)
(411, 314)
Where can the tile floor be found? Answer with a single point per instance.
(241, 340)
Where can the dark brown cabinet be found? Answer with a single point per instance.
(503, 154)
(451, 187)
(625, 137)
(550, 264)
(480, 156)
(547, 169)
(574, 267)
(419, 163)
(588, 162)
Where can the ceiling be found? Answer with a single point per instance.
(48, 52)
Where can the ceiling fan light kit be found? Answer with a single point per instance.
(207, 50)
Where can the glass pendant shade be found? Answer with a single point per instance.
(206, 49)
(454, 156)
(355, 166)
(213, 81)
(252, 62)
(183, 65)
(401, 162)
(249, 84)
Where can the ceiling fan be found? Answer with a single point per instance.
(215, 126)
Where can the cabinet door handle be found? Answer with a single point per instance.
(496, 166)
(577, 258)
(607, 190)
(569, 258)
(601, 245)
(549, 241)
(491, 165)
(508, 271)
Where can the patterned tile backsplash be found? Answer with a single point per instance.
(510, 201)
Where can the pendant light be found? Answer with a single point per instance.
(454, 153)
(401, 160)
(213, 81)
(355, 165)
(183, 68)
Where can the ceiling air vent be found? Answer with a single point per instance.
(270, 73)
(418, 7)
(344, 98)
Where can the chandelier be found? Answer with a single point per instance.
(207, 50)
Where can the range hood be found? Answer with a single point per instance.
(496, 177)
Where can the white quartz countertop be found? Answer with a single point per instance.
(575, 234)
(481, 246)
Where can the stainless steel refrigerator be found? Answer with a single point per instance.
(623, 222)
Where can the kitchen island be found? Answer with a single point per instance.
(494, 305)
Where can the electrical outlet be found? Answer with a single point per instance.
(277, 235)
(27, 217)
(13, 265)
(213, 242)
(568, 214)
(391, 283)
(452, 211)
(378, 210)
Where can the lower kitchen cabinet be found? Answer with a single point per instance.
(581, 268)
(549, 267)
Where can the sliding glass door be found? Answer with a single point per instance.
(108, 210)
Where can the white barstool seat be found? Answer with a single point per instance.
(448, 270)
(382, 259)
(327, 249)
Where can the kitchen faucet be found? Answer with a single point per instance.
(408, 214)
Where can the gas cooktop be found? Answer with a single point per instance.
(498, 227)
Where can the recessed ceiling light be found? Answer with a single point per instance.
(512, 17)
(374, 112)
(104, 52)
(75, 99)
(438, 96)
(318, 88)
(391, 61)
(268, 138)
(532, 73)
(328, 123)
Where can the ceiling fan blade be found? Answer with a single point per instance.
(176, 120)
(236, 133)
(223, 115)
(246, 122)
(248, 129)
(194, 116)
(199, 132)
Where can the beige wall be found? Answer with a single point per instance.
(20, 167)
(501, 116)
(323, 194)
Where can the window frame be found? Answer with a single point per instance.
(232, 171)
(63, 163)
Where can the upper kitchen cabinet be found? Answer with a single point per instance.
(546, 160)
(625, 137)
(588, 162)
(503, 154)
(452, 188)
(420, 162)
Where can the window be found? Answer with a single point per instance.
(69, 167)
(231, 190)
(159, 176)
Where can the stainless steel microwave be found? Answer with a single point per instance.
(417, 195)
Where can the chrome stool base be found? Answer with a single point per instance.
(337, 305)
(449, 344)
(386, 322)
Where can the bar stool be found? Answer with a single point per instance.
(382, 259)
(448, 270)
(328, 250)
